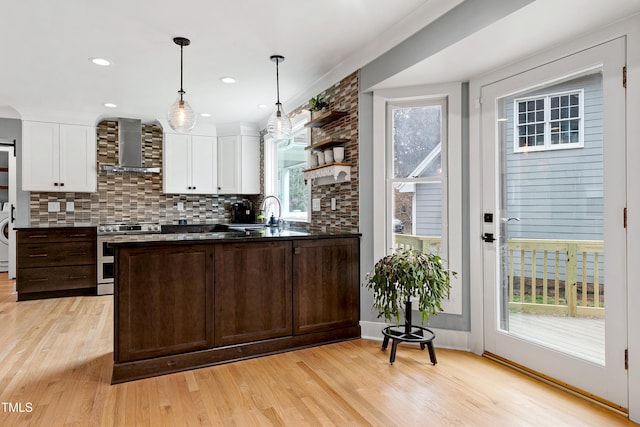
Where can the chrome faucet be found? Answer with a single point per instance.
(264, 204)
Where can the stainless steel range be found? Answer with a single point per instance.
(105, 252)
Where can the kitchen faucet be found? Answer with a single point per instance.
(264, 204)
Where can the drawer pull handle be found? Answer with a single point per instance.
(77, 277)
(38, 255)
(78, 254)
(78, 235)
(39, 280)
(37, 236)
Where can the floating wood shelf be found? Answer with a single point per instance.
(326, 143)
(325, 118)
(329, 174)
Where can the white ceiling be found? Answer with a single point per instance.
(46, 74)
(539, 25)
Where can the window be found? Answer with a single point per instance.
(416, 185)
(285, 162)
(549, 122)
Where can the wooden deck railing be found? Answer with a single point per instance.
(544, 275)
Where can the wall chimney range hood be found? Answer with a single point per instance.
(129, 149)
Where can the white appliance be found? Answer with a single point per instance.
(4, 240)
(105, 267)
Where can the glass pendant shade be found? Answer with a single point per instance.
(181, 116)
(279, 124)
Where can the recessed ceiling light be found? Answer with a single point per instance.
(110, 105)
(262, 105)
(228, 80)
(205, 115)
(100, 61)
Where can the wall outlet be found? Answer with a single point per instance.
(315, 205)
(53, 207)
(70, 207)
(333, 203)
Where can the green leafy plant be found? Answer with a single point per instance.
(405, 274)
(318, 103)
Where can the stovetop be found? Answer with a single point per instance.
(129, 228)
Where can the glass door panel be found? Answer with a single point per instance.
(553, 174)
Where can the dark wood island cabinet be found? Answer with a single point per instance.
(255, 301)
(325, 284)
(188, 301)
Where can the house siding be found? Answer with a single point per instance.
(558, 194)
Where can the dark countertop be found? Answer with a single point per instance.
(264, 234)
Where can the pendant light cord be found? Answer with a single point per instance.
(278, 84)
(181, 91)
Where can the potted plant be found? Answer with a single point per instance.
(317, 104)
(399, 277)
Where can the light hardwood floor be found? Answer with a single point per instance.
(57, 355)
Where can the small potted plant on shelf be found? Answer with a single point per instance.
(398, 278)
(317, 105)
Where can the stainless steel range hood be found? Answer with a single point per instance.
(129, 149)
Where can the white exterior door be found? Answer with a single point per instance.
(554, 182)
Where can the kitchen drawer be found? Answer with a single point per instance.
(58, 254)
(55, 279)
(54, 235)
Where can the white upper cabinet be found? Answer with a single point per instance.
(189, 164)
(58, 157)
(238, 165)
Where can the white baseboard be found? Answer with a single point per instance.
(445, 338)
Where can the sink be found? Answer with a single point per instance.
(243, 227)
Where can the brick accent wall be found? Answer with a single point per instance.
(342, 96)
(130, 197)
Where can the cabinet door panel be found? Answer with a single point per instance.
(176, 164)
(40, 156)
(53, 255)
(252, 292)
(228, 165)
(326, 284)
(77, 159)
(204, 156)
(250, 165)
(155, 316)
(56, 278)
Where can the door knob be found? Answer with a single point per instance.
(511, 218)
(488, 237)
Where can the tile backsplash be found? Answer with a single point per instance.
(130, 197)
(342, 96)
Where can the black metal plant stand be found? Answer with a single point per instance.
(408, 333)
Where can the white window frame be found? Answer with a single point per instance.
(271, 169)
(382, 221)
(547, 122)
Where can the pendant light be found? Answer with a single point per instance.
(181, 116)
(279, 125)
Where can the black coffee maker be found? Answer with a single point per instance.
(242, 213)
